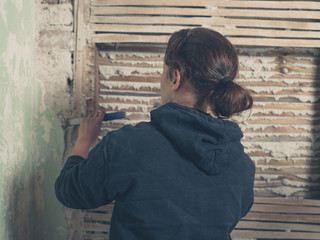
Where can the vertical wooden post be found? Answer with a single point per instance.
(81, 33)
(96, 80)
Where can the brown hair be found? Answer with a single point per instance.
(205, 58)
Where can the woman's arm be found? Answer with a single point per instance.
(81, 181)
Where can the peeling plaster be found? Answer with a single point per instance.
(31, 137)
(135, 86)
(143, 108)
(142, 55)
(286, 191)
(107, 72)
(279, 96)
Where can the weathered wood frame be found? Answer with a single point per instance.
(244, 23)
(248, 24)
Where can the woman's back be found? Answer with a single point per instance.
(186, 177)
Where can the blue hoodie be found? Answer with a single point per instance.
(182, 176)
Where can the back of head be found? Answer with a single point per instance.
(210, 62)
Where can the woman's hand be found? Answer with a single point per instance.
(90, 127)
(88, 133)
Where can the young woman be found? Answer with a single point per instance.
(184, 175)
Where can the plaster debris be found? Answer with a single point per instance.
(298, 183)
(123, 85)
(125, 99)
(130, 107)
(108, 72)
(145, 56)
(286, 191)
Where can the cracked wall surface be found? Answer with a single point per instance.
(35, 63)
(281, 131)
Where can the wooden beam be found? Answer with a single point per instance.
(258, 13)
(122, 38)
(207, 21)
(213, 3)
(225, 31)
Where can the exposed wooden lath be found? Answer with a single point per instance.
(282, 81)
(269, 218)
(280, 218)
(246, 23)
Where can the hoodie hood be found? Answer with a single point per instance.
(212, 144)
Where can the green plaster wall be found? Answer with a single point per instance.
(31, 138)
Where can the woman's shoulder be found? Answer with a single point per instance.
(129, 132)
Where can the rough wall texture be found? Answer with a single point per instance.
(54, 72)
(15, 119)
(35, 65)
(282, 132)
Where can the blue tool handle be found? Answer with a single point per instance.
(113, 116)
(107, 117)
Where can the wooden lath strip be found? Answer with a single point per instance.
(128, 38)
(287, 201)
(97, 216)
(274, 235)
(260, 13)
(277, 226)
(273, 24)
(151, 11)
(206, 21)
(121, 38)
(281, 218)
(306, 218)
(148, 20)
(269, 4)
(273, 208)
(99, 227)
(106, 208)
(191, 3)
(138, 29)
(95, 236)
(120, 11)
(213, 3)
(274, 42)
(256, 23)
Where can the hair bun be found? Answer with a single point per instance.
(225, 80)
(227, 101)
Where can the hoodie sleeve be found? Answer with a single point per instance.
(82, 183)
